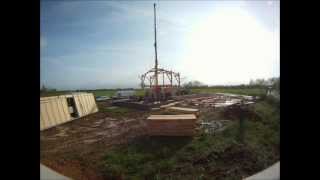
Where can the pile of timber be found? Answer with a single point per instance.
(185, 110)
(172, 125)
(169, 105)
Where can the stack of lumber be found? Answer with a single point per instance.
(185, 110)
(172, 125)
(170, 104)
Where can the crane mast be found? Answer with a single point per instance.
(155, 47)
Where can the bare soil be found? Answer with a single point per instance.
(75, 149)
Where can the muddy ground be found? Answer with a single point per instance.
(76, 149)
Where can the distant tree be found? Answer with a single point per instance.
(192, 84)
(43, 88)
(270, 84)
(252, 82)
(275, 83)
(261, 82)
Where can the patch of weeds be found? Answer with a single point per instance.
(166, 165)
(143, 158)
(118, 163)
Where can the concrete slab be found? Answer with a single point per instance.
(48, 174)
(271, 173)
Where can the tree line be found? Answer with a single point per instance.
(273, 83)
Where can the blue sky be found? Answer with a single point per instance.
(108, 44)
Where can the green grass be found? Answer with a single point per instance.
(108, 93)
(53, 93)
(205, 156)
(96, 93)
(242, 91)
(144, 157)
(140, 92)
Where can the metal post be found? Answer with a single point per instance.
(155, 47)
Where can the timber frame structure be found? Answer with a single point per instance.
(150, 78)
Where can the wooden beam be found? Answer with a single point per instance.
(173, 117)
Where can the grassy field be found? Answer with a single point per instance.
(140, 92)
(242, 91)
(204, 157)
(53, 93)
(108, 93)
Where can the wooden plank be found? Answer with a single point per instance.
(172, 117)
(179, 121)
(172, 125)
(184, 109)
(165, 129)
(169, 105)
(44, 115)
(50, 115)
(63, 106)
(172, 134)
(94, 103)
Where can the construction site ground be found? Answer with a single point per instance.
(75, 148)
(78, 149)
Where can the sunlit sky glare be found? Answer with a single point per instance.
(108, 44)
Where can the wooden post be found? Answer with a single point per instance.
(150, 82)
(242, 114)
